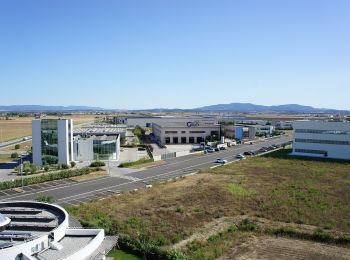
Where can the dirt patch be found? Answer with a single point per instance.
(267, 247)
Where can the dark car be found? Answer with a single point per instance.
(248, 153)
(217, 149)
(222, 148)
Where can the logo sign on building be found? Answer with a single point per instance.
(193, 124)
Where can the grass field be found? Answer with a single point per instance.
(122, 255)
(22, 126)
(277, 188)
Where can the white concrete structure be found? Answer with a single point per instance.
(327, 139)
(52, 141)
(185, 133)
(41, 231)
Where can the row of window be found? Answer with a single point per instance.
(184, 132)
(183, 140)
(314, 131)
(310, 151)
(315, 141)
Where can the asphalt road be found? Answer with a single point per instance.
(67, 192)
(16, 141)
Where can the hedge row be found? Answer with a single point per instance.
(141, 161)
(44, 178)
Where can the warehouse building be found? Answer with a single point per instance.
(147, 121)
(191, 132)
(327, 139)
(239, 132)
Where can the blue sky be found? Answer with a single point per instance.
(181, 53)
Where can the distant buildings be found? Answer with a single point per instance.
(147, 121)
(327, 139)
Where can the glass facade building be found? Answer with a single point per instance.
(49, 141)
(104, 149)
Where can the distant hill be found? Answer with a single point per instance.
(39, 108)
(232, 107)
(248, 107)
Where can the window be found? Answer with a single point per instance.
(315, 131)
(183, 132)
(191, 140)
(167, 140)
(310, 151)
(200, 139)
(183, 140)
(316, 141)
(104, 149)
(175, 140)
(170, 132)
(197, 132)
(49, 141)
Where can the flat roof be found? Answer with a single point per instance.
(29, 220)
(100, 129)
(189, 124)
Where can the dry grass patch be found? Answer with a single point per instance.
(90, 176)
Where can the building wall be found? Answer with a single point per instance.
(36, 142)
(161, 133)
(322, 139)
(64, 142)
(148, 121)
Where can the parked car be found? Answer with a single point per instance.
(222, 148)
(211, 150)
(240, 156)
(217, 149)
(262, 150)
(220, 160)
(248, 153)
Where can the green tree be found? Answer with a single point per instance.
(14, 155)
(17, 146)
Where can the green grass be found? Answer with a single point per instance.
(277, 187)
(139, 162)
(118, 254)
(239, 190)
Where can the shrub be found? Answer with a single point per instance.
(14, 155)
(97, 164)
(247, 225)
(65, 166)
(17, 146)
(72, 164)
(45, 198)
(46, 168)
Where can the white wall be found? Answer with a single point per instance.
(36, 141)
(92, 246)
(338, 151)
(63, 141)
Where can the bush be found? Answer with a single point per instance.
(44, 178)
(72, 164)
(141, 161)
(97, 164)
(65, 166)
(17, 146)
(46, 168)
(247, 225)
(14, 155)
(45, 198)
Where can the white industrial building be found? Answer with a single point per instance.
(327, 139)
(39, 231)
(52, 141)
(147, 121)
(193, 132)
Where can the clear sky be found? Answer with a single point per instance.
(183, 53)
